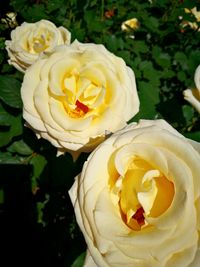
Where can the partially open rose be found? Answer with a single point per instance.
(78, 95)
(193, 95)
(30, 40)
(137, 200)
(130, 24)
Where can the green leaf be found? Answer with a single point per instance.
(151, 23)
(6, 68)
(162, 59)
(35, 13)
(4, 138)
(79, 261)
(181, 58)
(1, 196)
(40, 208)
(2, 43)
(140, 47)
(15, 129)
(150, 73)
(189, 3)
(188, 113)
(93, 22)
(4, 117)
(10, 91)
(149, 97)
(20, 147)
(111, 43)
(16, 126)
(193, 135)
(193, 61)
(167, 73)
(7, 157)
(18, 5)
(54, 5)
(181, 75)
(1, 56)
(38, 162)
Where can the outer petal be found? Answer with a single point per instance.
(193, 95)
(197, 78)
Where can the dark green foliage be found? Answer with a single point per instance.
(163, 55)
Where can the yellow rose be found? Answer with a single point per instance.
(30, 40)
(196, 14)
(137, 200)
(130, 24)
(193, 95)
(77, 95)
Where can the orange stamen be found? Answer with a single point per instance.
(81, 106)
(139, 216)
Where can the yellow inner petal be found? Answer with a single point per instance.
(140, 193)
(39, 40)
(130, 186)
(81, 95)
(164, 196)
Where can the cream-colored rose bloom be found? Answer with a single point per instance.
(193, 95)
(30, 40)
(78, 95)
(137, 200)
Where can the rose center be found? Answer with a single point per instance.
(79, 111)
(142, 192)
(81, 95)
(39, 41)
(39, 44)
